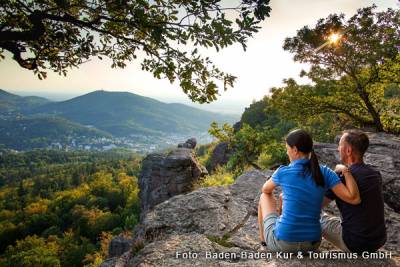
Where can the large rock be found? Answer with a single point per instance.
(170, 252)
(214, 211)
(190, 143)
(210, 211)
(119, 245)
(383, 153)
(224, 219)
(166, 175)
(222, 152)
(219, 157)
(237, 126)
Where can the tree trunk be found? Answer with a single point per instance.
(375, 115)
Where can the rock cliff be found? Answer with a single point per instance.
(166, 175)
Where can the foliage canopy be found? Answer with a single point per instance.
(350, 75)
(55, 35)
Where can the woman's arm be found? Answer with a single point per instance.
(268, 186)
(349, 192)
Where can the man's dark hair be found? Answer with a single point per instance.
(358, 140)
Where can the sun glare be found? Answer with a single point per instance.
(334, 38)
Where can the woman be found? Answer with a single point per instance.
(303, 184)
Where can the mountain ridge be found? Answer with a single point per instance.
(11, 103)
(121, 113)
(118, 115)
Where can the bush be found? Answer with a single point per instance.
(221, 177)
(274, 155)
(204, 152)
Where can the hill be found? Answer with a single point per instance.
(10, 103)
(100, 120)
(123, 114)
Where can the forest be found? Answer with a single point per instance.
(62, 208)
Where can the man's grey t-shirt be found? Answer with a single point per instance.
(363, 224)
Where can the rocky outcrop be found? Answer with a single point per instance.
(222, 152)
(182, 229)
(219, 157)
(237, 126)
(170, 251)
(213, 211)
(190, 143)
(224, 220)
(119, 245)
(166, 175)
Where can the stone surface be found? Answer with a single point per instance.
(109, 263)
(219, 157)
(164, 253)
(189, 222)
(224, 219)
(119, 245)
(248, 185)
(117, 261)
(392, 220)
(166, 175)
(247, 236)
(210, 211)
(190, 143)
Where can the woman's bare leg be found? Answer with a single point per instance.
(266, 206)
(260, 222)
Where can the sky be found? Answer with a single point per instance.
(262, 66)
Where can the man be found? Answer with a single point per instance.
(362, 227)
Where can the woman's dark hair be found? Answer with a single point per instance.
(303, 142)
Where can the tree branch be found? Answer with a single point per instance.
(29, 63)
(33, 34)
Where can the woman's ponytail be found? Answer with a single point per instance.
(303, 142)
(315, 170)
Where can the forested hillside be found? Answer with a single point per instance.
(62, 208)
(123, 114)
(10, 103)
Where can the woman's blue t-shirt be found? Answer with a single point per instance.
(302, 200)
